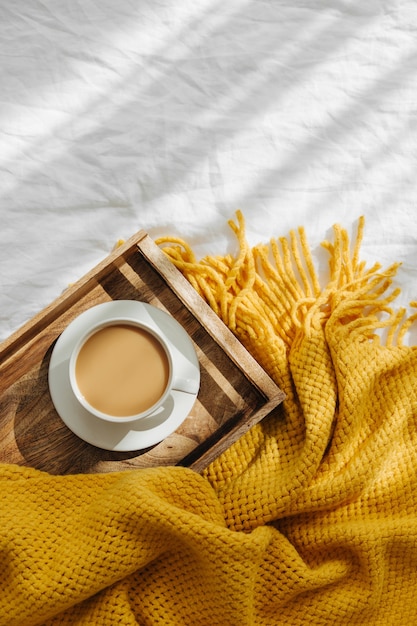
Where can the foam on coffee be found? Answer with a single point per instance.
(122, 370)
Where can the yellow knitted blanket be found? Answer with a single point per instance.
(309, 519)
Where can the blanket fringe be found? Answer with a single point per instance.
(275, 290)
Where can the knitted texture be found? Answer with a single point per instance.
(309, 519)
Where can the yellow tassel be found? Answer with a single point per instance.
(275, 290)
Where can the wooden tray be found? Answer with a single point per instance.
(235, 392)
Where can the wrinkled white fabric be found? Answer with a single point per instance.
(116, 116)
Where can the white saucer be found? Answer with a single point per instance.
(144, 432)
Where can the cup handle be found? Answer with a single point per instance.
(187, 385)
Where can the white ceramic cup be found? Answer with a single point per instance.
(174, 380)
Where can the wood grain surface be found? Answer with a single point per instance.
(235, 392)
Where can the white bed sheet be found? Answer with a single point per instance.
(116, 116)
